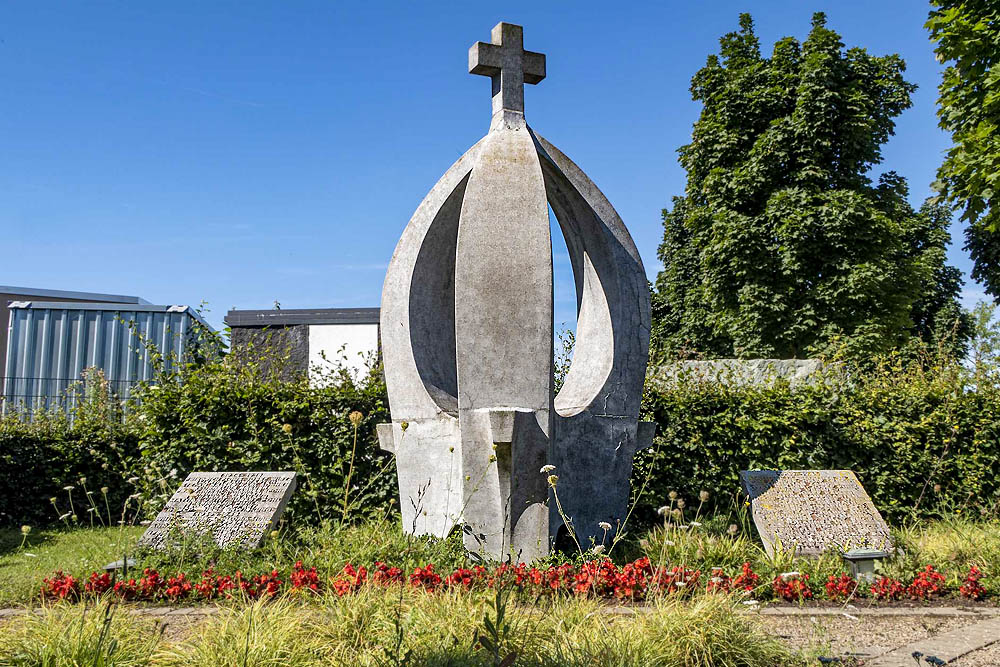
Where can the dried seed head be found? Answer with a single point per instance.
(355, 418)
(733, 529)
(663, 510)
(681, 504)
(553, 480)
(672, 495)
(25, 530)
(703, 495)
(287, 428)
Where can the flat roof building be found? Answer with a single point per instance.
(309, 341)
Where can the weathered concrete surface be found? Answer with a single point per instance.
(946, 647)
(467, 338)
(742, 372)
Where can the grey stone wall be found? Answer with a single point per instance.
(742, 372)
(281, 351)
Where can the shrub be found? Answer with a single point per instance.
(227, 416)
(921, 436)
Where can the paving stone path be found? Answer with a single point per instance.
(946, 647)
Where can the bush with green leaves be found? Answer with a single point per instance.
(41, 458)
(921, 434)
(227, 416)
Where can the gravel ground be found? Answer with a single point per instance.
(837, 635)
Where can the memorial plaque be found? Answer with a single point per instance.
(814, 510)
(235, 508)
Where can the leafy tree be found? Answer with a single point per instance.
(782, 246)
(967, 33)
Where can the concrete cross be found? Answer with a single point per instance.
(508, 64)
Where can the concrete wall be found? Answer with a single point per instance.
(352, 345)
(741, 372)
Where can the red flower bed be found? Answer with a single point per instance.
(597, 578)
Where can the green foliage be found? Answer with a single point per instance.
(221, 415)
(967, 33)
(227, 416)
(39, 458)
(920, 435)
(782, 246)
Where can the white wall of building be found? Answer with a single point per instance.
(348, 344)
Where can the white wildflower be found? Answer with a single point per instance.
(695, 524)
(547, 469)
(65, 516)
(604, 525)
(663, 510)
(598, 549)
(68, 488)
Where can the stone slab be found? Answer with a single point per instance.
(235, 508)
(813, 510)
(946, 647)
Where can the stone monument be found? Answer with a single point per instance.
(811, 511)
(235, 508)
(467, 339)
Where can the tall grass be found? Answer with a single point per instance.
(436, 630)
(76, 635)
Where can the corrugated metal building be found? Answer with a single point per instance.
(8, 294)
(51, 343)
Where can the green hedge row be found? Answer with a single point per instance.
(923, 439)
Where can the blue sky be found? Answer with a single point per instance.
(240, 153)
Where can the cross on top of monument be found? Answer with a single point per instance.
(508, 64)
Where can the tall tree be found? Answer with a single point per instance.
(967, 33)
(782, 246)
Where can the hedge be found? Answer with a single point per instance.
(922, 438)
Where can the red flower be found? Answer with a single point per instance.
(425, 577)
(98, 584)
(303, 579)
(792, 588)
(383, 574)
(927, 584)
(971, 588)
(842, 587)
(177, 587)
(351, 580)
(747, 579)
(719, 582)
(885, 588)
(62, 586)
(466, 578)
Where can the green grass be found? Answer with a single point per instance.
(82, 550)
